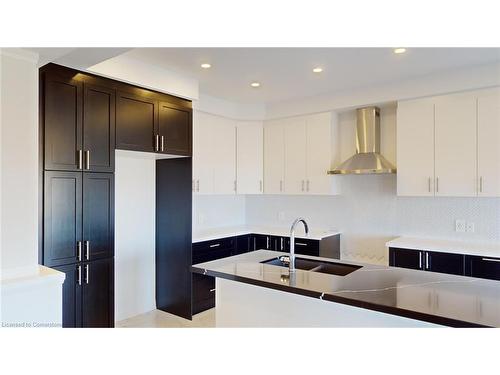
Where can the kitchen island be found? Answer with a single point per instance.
(255, 290)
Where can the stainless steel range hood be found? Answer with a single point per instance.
(367, 159)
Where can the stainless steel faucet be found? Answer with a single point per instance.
(292, 241)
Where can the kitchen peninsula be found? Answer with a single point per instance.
(254, 292)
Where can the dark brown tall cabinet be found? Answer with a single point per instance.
(77, 120)
(84, 118)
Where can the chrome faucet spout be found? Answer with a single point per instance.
(292, 241)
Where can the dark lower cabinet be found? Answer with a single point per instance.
(97, 293)
(483, 267)
(72, 296)
(406, 258)
(445, 263)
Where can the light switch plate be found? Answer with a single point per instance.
(460, 226)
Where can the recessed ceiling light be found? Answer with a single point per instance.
(255, 84)
(317, 70)
(399, 50)
(206, 65)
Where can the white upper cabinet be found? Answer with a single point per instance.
(295, 156)
(415, 148)
(448, 145)
(319, 154)
(203, 161)
(214, 154)
(274, 157)
(224, 156)
(455, 145)
(298, 154)
(249, 157)
(488, 142)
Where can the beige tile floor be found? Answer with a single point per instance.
(161, 319)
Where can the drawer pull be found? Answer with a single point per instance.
(215, 245)
(491, 260)
(300, 243)
(212, 290)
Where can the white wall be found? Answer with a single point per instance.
(212, 211)
(134, 235)
(19, 161)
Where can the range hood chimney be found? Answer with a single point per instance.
(367, 159)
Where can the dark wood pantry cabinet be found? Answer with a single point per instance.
(83, 119)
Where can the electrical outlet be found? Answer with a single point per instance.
(281, 216)
(460, 225)
(470, 227)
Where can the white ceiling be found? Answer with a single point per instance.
(286, 73)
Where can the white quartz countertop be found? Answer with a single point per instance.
(215, 233)
(447, 246)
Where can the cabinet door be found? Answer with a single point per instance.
(62, 229)
(136, 123)
(444, 262)
(406, 258)
(415, 148)
(483, 267)
(98, 215)
(319, 154)
(243, 245)
(488, 152)
(295, 156)
(203, 157)
(62, 117)
(98, 298)
(72, 295)
(249, 157)
(455, 121)
(224, 153)
(175, 129)
(274, 157)
(99, 129)
(306, 247)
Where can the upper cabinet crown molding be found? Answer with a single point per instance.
(448, 145)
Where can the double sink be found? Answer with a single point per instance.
(331, 268)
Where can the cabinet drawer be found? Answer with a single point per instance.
(306, 247)
(203, 287)
(406, 258)
(218, 244)
(444, 263)
(483, 267)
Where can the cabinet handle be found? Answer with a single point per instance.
(281, 244)
(87, 250)
(80, 159)
(87, 266)
(260, 186)
(157, 143)
(437, 184)
(281, 185)
(87, 159)
(307, 185)
(212, 290)
(302, 185)
(429, 184)
(490, 260)
(79, 275)
(481, 184)
(300, 243)
(267, 242)
(79, 247)
(198, 186)
(255, 243)
(427, 261)
(162, 143)
(215, 245)
(420, 260)
(234, 185)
